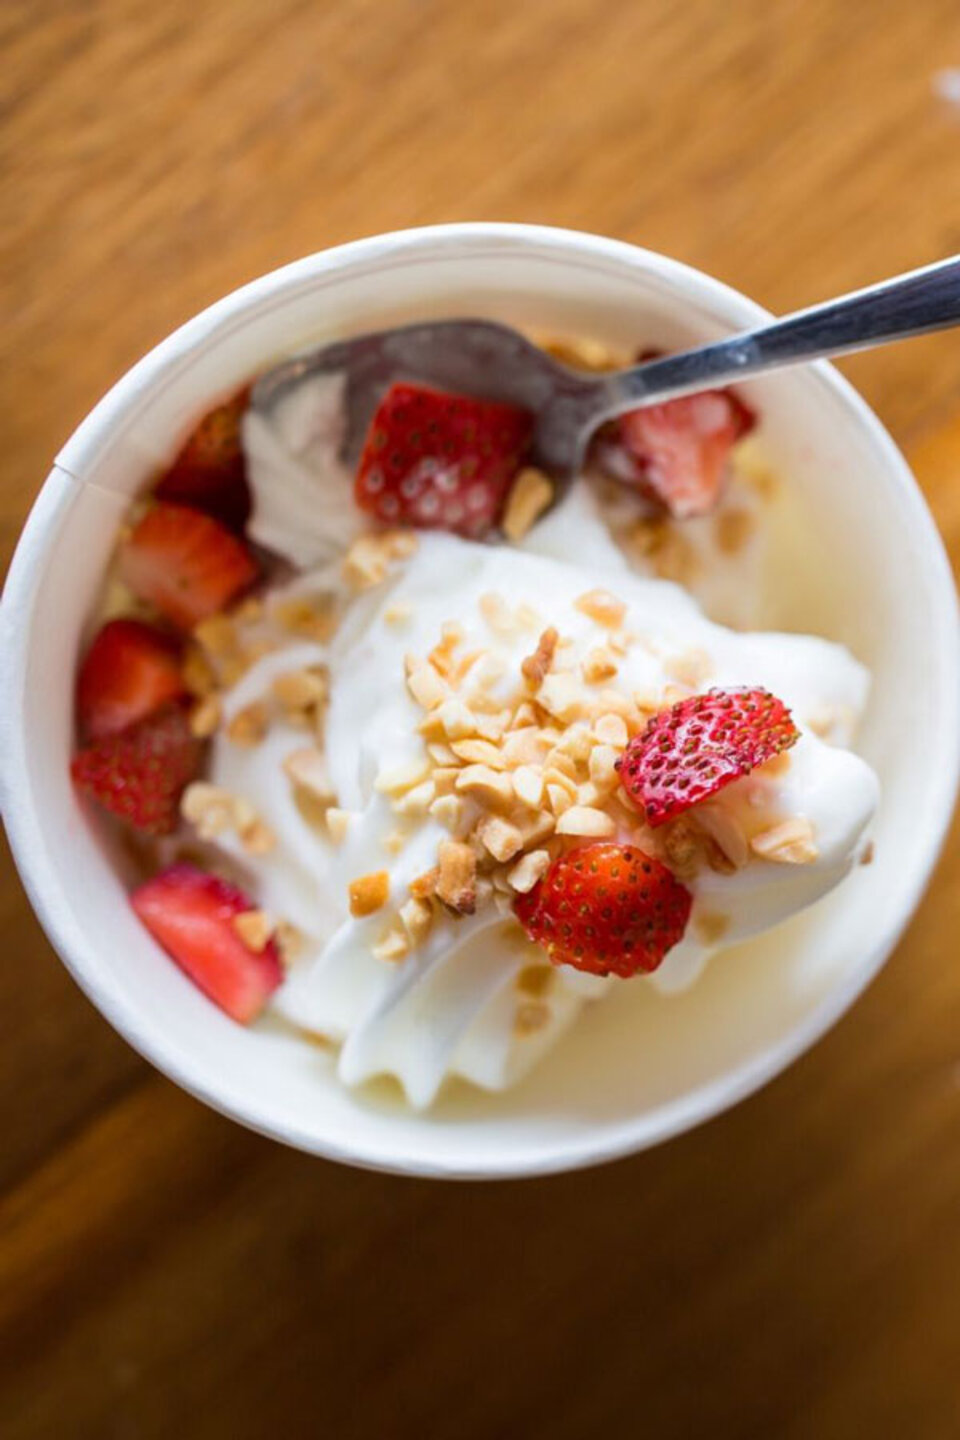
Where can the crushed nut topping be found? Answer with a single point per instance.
(205, 717)
(369, 893)
(249, 725)
(456, 876)
(536, 667)
(602, 607)
(789, 843)
(255, 928)
(530, 495)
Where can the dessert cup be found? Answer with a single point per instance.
(874, 577)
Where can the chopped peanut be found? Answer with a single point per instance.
(602, 607)
(584, 820)
(536, 667)
(502, 839)
(249, 725)
(528, 785)
(417, 916)
(338, 823)
(392, 946)
(257, 838)
(531, 1016)
(530, 494)
(209, 808)
(397, 779)
(311, 617)
(417, 801)
(562, 696)
(205, 717)
(479, 752)
(307, 769)
(528, 870)
(603, 761)
(611, 730)
(254, 927)
(369, 893)
(598, 665)
(490, 786)
(790, 843)
(422, 887)
(300, 689)
(448, 811)
(497, 613)
(456, 877)
(425, 684)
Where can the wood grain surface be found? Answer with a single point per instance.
(790, 1270)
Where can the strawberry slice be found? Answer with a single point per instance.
(606, 908)
(440, 462)
(678, 452)
(210, 472)
(130, 670)
(185, 563)
(191, 914)
(138, 774)
(696, 747)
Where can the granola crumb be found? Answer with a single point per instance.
(205, 717)
(867, 854)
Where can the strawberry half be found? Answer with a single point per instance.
(185, 563)
(139, 774)
(191, 914)
(210, 472)
(679, 451)
(698, 746)
(606, 908)
(440, 462)
(130, 670)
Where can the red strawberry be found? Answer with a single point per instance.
(679, 450)
(698, 746)
(185, 563)
(210, 472)
(139, 774)
(130, 670)
(191, 914)
(439, 461)
(606, 908)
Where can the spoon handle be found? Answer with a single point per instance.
(911, 304)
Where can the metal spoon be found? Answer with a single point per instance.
(483, 358)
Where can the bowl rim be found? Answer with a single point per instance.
(25, 832)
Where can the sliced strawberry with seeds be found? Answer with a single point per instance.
(440, 462)
(139, 774)
(210, 472)
(129, 671)
(185, 563)
(191, 914)
(696, 747)
(678, 452)
(606, 908)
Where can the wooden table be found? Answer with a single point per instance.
(790, 1270)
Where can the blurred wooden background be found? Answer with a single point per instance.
(790, 1270)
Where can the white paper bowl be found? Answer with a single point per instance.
(631, 1073)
